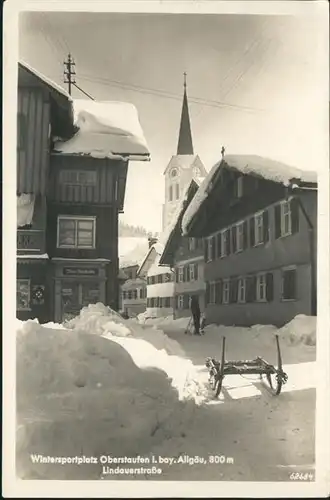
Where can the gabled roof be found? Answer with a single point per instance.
(253, 165)
(174, 229)
(149, 258)
(53, 87)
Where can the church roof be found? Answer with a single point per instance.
(185, 145)
(185, 162)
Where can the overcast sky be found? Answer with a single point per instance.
(253, 84)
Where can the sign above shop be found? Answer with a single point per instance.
(80, 271)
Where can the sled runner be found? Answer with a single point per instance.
(273, 378)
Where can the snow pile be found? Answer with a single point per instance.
(82, 395)
(301, 330)
(106, 130)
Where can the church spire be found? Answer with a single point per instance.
(185, 145)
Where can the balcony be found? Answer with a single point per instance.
(30, 241)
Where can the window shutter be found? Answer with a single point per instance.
(265, 217)
(207, 293)
(233, 294)
(252, 237)
(176, 275)
(205, 249)
(249, 289)
(245, 234)
(218, 244)
(277, 214)
(196, 271)
(186, 301)
(228, 241)
(218, 292)
(294, 207)
(233, 238)
(269, 287)
(186, 273)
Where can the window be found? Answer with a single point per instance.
(177, 191)
(170, 195)
(239, 236)
(23, 295)
(225, 292)
(209, 248)
(180, 301)
(124, 295)
(192, 244)
(289, 288)
(73, 232)
(212, 293)
(239, 187)
(192, 276)
(78, 177)
(241, 290)
(224, 237)
(129, 294)
(181, 271)
(134, 294)
(196, 172)
(261, 288)
(285, 218)
(258, 228)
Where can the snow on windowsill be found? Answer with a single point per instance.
(34, 256)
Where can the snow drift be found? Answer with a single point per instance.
(83, 395)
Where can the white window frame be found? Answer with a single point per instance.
(28, 283)
(286, 212)
(76, 219)
(284, 269)
(180, 301)
(225, 291)
(212, 292)
(261, 292)
(239, 236)
(192, 276)
(209, 248)
(241, 290)
(180, 274)
(240, 187)
(224, 236)
(258, 227)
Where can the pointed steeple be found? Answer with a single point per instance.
(185, 145)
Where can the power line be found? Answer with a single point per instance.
(164, 94)
(86, 93)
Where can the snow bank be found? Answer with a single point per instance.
(83, 395)
(301, 330)
(105, 130)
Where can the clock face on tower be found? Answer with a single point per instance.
(174, 172)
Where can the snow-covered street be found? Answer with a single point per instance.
(101, 386)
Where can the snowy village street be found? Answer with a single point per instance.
(140, 392)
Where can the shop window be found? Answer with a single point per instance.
(23, 295)
(76, 232)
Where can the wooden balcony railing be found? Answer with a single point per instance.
(30, 241)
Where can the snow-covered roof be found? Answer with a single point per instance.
(106, 130)
(246, 164)
(131, 283)
(46, 80)
(155, 269)
(156, 249)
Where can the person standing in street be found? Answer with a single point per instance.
(196, 314)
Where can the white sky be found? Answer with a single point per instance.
(271, 65)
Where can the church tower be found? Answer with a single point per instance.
(183, 167)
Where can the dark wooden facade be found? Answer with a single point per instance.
(59, 281)
(252, 262)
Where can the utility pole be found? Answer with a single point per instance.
(69, 72)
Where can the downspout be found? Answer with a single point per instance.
(311, 233)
